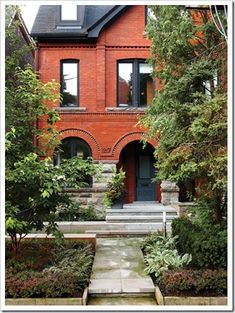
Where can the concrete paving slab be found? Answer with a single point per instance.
(105, 286)
(106, 273)
(119, 268)
(130, 273)
(137, 285)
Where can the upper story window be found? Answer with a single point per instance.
(135, 83)
(69, 82)
(69, 12)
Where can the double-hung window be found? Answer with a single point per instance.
(69, 83)
(135, 83)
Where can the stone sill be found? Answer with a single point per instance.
(70, 110)
(171, 300)
(126, 109)
(49, 301)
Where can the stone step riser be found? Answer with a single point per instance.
(138, 219)
(135, 221)
(140, 214)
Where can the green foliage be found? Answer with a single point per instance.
(206, 243)
(189, 125)
(67, 276)
(161, 255)
(26, 96)
(115, 188)
(194, 282)
(35, 188)
(76, 212)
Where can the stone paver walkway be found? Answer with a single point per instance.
(119, 268)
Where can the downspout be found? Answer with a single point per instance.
(37, 74)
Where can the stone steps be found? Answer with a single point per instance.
(127, 218)
(123, 233)
(171, 211)
(122, 299)
(141, 212)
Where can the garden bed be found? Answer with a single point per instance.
(176, 281)
(46, 273)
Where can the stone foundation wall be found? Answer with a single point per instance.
(94, 194)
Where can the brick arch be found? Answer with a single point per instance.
(124, 140)
(87, 137)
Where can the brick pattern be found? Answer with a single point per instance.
(96, 121)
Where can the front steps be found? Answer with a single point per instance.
(141, 212)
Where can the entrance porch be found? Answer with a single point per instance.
(138, 164)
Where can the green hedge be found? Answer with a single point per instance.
(207, 244)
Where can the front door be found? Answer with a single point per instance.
(145, 188)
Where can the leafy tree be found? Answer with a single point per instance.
(188, 116)
(26, 95)
(34, 187)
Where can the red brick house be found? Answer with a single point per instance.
(98, 54)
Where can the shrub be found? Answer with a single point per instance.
(29, 284)
(66, 277)
(207, 244)
(75, 212)
(194, 282)
(161, 255)
(115, 188)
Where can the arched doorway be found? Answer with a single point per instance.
(138, 163)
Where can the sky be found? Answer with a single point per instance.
(29, 13)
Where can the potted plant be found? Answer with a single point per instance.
(115, 193)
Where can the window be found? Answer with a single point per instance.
(71, 147)
(135, 83)
(68, 12)
(74, 146)
(69, 83)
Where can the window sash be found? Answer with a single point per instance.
(136, 83)
(69, 92)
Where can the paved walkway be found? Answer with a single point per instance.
(119, 269)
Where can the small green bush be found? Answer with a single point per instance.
(207, 244)
(161, 255)
(76, 212)
(115, 188)
(194, 282)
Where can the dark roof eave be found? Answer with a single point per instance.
(59, 35)
(94, 32)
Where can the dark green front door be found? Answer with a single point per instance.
(145, 188)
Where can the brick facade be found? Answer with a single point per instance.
(106, 128)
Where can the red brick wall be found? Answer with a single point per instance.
(106, 132)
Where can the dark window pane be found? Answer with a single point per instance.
(125, 84)
(69, 84)
(71, 147)
(145, 84)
